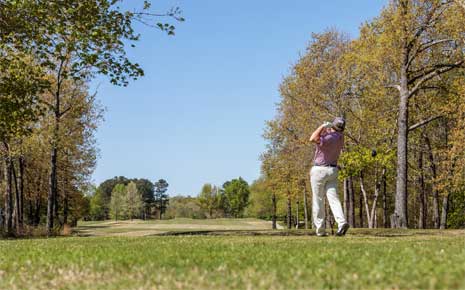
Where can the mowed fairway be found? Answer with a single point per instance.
(235, 259)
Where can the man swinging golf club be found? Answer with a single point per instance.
(329, 141)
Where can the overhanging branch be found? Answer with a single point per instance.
(423, 122)
(440, 69)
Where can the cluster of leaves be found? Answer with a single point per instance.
(360, 159)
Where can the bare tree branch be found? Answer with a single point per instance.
(65, 111)
(393, 86)
(426, 76)
(422, 28)
(430, 69)
(424, 122)
(424, 46)
(427, 45)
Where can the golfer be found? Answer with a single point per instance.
(329, 141)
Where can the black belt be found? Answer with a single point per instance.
(325, 165)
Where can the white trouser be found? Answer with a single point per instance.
(324, 180)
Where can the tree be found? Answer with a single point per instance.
(134, 202)
(20, 85)
(237, 194)
(97, 207)
(161, 197)
(260, 201)
(106, 189)
(118, 204)
(146, 189)
(184, 207)
(74, 40)
(429, 39)
(209, 199)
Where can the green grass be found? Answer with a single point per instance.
(380, 259)
(153, 227)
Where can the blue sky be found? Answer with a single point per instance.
(198, 114)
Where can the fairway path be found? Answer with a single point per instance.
(139, 228)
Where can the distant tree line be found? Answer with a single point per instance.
(122, 198)
(228, 201)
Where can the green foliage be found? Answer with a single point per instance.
(49, 51)
(456, 216)
(97, 206)
(185, 207)
(93, 33)
(260, 204)
(133, 201)
(106, 189)
(161, 197)
(21, 82)
(361, 158)
(118, 205)
(237, 194)
(144, 186)
(209, 199)
(146, 189)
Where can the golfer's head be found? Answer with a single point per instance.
(339, 124)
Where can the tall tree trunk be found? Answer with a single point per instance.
(371, 214)
(17, 204)
(436, 218)
(53, 181)
(273, 216)
(21, 189)
(305, 208)
(297, 215)
(289, 211)
(400, 217)
(37, 204)
(30, 214)
(445, 210)
(374, 206)
(360, 212)
(351, 203)
(400, 212)
(8, 193)
(52, 188)
(37, 212)
(56, 207)
(365, 201)
(422, 195)
(385, 210)
(65, 209)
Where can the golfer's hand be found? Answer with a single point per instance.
(327, 125)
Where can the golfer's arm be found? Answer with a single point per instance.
(316, 135)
